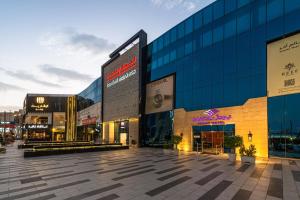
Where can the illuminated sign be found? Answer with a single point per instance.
(40, 100)
(41, 105)
(125, 71)
(283, 66)
(212, 117)
(37, 126)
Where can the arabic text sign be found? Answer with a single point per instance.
(284, 66)
(213, 117)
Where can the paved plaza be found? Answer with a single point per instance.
(144, 173)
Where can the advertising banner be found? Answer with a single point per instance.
(283, 66)
(159, 95)
(90, 115)
(121, 84)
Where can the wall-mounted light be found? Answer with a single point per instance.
(250, 136)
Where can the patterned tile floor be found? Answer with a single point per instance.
(144, 174)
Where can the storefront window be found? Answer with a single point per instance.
(284, 126)
(159, 129)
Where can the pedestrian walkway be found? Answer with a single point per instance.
(144, 173)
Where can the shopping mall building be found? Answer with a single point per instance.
(232, 68)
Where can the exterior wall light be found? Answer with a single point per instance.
(250, 136)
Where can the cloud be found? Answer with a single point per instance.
(23, 75)
(65, 73)
(9, 87)
(71, 41)
(188, 5)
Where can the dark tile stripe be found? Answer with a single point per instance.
(204, 159)
(257, 173)
(180, 162)
(167, 186)
(277, 167)
(133, 174)
(242, 195)
(23, 188)
(39, 178)
(296, 175)
(18, 196)
(142, 161)
(169, 169)
(209, 177)
(50, 196)
(275, 188)
(243, 168)
(20, 176)
(210, 167)
(134, 169)
(49, 169)
(116, 169)
(173, 174)
(95, 192)
(72, 174)
(162, 160)
(216, 191)
(109, 197)
(209, 162)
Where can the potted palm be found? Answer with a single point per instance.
(233, 142)
(176, 139)
(248, 155)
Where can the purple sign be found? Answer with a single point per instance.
(211, 117)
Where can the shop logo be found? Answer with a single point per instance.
(290, 69)
(40, 100)
(121, 70)
(211, 116)
(211, 112)
(40, 104)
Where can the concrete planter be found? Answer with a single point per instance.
(248, 159)
(232, 157)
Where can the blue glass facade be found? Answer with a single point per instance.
(219, 56)
(91, 95)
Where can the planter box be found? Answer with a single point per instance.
(232, 157)
(247, 159)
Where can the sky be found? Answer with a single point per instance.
(58, 46)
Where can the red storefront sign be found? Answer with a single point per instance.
(88, 121)
(122, 70)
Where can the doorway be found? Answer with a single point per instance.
(212, 142)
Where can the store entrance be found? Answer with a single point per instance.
(122, 132)
(210, 138)
(212, 142)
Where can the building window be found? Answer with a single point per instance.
(230, 28)
(167, 38)
(180, 30)
(188, 48)
(242, 3)
(173, 34)
(230, 5)
(218, 9)
(154, 49)
(173, 55)
(160, 43)
(207, 38)
(291, 5)
(198, 20)
(207, 15)
(274, 9)
(218, 34)
(243, 23)
(166, 59)
(160, 62)
(189, 25)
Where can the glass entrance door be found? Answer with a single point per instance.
(212, 141)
